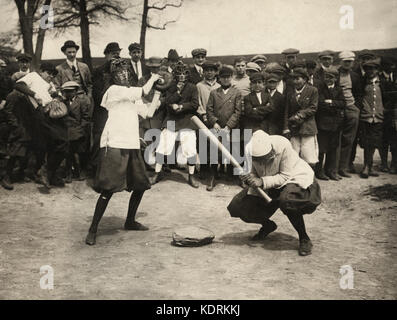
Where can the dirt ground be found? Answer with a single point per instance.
(349, 228)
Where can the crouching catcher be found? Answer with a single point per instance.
(286, 178)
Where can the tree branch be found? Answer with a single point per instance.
(166, 5)
(160, 28)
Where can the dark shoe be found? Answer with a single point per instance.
(192, 181)
(344, 174)
(320, 175)
(372, 173)
(332, 176)
(339, 177)
(211, 186)
(166, 168)
(352, 169)
(305, 247)
(91, 238)
(135, 226)
(384, 168)
(155, 178)
(6, 183)
(264, 231)
(365, 173)
(68, 178)
(57, 182)
(393, 170)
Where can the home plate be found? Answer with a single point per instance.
(192, 236)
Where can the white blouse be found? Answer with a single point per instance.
(122, 126)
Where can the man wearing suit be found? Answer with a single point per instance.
(73, 70)
(301, 107)
(352, 90)
(138, 69)
(223, 111)
(326, 59)
(290, 57)
(196, 72)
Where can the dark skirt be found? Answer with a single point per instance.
(327, 140)
(121, 169)
(291, 199)
(370, 134)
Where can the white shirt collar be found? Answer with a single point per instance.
(272, 92)
(300, 91)
(74, 63)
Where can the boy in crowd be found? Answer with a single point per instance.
(301, 107)
(241, 80)
(260, 60)
(223, 110)
(371, 116)
(276, 119)
(329, 117)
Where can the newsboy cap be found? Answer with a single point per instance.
(347, 55)
(300, 72)
(274, 67)
(111, 46)
(272, 76)
(225, 71)
(134, 46)
(326, 54)
(24, 57)
(257, 76)
(199, 51)
(259, 57)
(366, 54)
(70, 85)
(372, 63)
(253, 66)
(289, 51)
(69, 44)
(210, 65)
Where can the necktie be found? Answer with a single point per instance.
(74, 69)
(136, 68)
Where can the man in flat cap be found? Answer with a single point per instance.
(290, 57)
(287, 179)
(241, 80)
(301, 108)
(326, 59)
(196, 72)
(101, 82)
(275, 67)
(329, 118)
(363, 56)
(139, 69)
(351, 85)
(389, 80)
(24, 60)
(260, 60)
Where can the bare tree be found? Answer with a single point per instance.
(28, 21)
(147, 22)
(82, 14)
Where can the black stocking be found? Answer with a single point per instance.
(299, 224)
(133, 205)
(100, 208)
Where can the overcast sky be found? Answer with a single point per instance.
(226, 27)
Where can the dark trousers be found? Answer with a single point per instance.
(328, 142)
(291, 199)
(389, 140)
(349, 133)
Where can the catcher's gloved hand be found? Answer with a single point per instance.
(252, 180)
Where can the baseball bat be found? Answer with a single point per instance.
(224, 151)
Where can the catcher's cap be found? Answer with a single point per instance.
(259, 145)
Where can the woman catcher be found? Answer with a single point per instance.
(121, 165)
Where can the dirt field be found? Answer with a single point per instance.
(349, 228)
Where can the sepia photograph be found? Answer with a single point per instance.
(185, 151)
